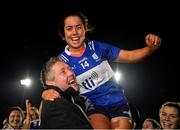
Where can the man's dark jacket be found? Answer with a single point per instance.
(66, 112)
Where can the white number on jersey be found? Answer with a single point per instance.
(85, 64)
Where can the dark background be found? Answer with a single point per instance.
(29, 37)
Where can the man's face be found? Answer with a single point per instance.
(63, 76)
(15, 119)
(169, 118)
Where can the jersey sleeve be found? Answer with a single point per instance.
(109, 51)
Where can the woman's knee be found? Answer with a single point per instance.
(99, 121)
(121, 123)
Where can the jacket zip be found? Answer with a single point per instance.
(72, 99)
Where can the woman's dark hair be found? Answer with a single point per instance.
(80, 15)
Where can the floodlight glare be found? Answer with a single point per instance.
(117, 76)
(26, 82)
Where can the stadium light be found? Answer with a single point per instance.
(26, 82)
(118, 76)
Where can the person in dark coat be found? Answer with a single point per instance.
(69, 110)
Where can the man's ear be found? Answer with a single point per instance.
(51, 83)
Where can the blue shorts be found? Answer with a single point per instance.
(122, 111)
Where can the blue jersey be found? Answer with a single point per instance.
(35, 124)
(95, 75)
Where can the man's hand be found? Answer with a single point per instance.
(50, 94)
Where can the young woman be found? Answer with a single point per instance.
(169, 114)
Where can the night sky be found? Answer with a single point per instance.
(29, 38)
